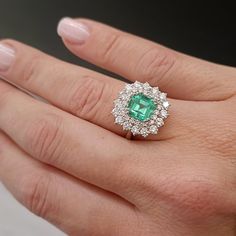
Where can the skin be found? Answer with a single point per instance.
(67, 161)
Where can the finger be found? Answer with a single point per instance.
(84, 93)
(138, 59)
(71, 205)
(88, 152)
(77, 147)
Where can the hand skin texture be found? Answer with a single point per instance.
(67, 161)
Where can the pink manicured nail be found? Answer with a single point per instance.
(7, 56)
(73, 31)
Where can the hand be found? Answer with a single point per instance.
(69, 163)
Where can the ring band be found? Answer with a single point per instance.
(141, 109)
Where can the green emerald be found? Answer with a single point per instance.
(141, 107)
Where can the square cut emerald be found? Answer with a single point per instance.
(141, 107)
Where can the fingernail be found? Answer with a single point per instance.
(73, 31)
(7, 56)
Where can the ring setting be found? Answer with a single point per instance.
(141, 109)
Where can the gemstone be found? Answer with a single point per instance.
(144, 132)
(134, 130)
(127, 125)
(119, 119)
(166, 104)
(152, 122)
(164, 113)
(160, 122)
(153, 129)
(141, 107)
(163, 96)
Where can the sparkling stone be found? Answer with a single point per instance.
(155, 91)
(156, 112)
(135, 130)
(153, 129)
(144, 132)
(119, 105)
(115, 112)
(166, 104)
(147, 88)
(163, 96)
(124, 96)
(154, 117)
(137, 85)
(164, 113)
(119, 120)
(127, 125)
(151, 122)
(128, 87)
(160, 122)
(141, 107)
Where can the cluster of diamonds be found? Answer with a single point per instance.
(137, 127)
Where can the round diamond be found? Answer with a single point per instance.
(144, 132)
(115, 112)
(154, 117)
(152, 122)
(153, 129)
(156, 112)
(160, 122)
(127, 125)
(163, 96)
(166, 104)
(137, 85)
(155, 91)
(128, 87)
(164, 113)
(135, 130)
(119, 120)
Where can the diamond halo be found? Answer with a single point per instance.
(141, 109)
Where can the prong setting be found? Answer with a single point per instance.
(141, 109)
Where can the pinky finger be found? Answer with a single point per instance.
(73, 206)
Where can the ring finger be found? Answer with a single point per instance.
(82, 92)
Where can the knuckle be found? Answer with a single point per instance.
(87, 98)
(28, 65)
(220, 140)
(33, 68)
(154, 65)
(193, 195)
(36, 195)
(111, 44)
(191, 192)
(43, 138)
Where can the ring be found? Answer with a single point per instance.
(141, 109)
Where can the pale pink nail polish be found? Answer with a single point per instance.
(7, 56)
(73, 31)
